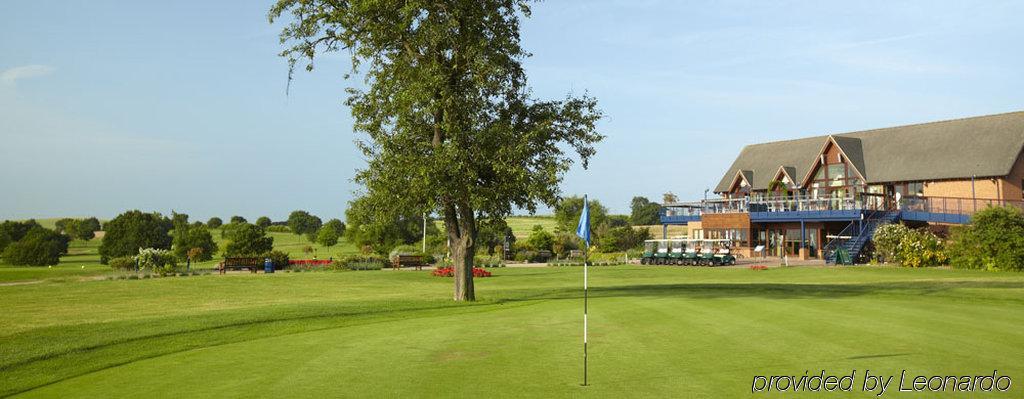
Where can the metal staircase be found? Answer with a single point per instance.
(859, 233)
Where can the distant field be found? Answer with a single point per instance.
(523, 225)
(83, 257)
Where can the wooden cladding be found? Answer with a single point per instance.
(725, 221)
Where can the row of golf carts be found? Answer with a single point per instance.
(687, 252)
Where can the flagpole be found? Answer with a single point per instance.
(585, 300)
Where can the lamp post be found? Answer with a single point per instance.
(424, 232)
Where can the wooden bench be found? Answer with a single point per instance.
(407, 260)
(253, 264)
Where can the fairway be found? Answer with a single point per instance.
(655, 331)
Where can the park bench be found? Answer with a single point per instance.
(252, 264)
(407, 260)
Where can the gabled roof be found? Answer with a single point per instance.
(983, 146)
(788, 172)
(852, 143)
(741, 175)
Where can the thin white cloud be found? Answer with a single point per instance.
(11, 76)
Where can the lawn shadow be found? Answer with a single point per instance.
(765, 290)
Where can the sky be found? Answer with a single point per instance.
(107, 106)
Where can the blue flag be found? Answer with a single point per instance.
(583, 229)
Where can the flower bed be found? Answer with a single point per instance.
(758, 267)
(450, 272)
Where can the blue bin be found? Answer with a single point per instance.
(268, 266)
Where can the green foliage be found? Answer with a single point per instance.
(567, 214)
(564, 243)
(132, 230)
(899, 244)
(278, 258)
(276, 228)
(643, 212)
(12, 231)
(86, 229)
(618, 239)
(38, 247)
(122, 263)
(993, 241)
(492, 233)
(214, 223)
(188, 237)
(540, 240)
(248, 240)
(365, 229)
(302, 223)
(360, 262)
(160, 261)
(238, 220)
(263, 222)
(451, 125)
(327, 237)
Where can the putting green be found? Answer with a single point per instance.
(682, 332)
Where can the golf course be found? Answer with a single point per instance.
(654, 331)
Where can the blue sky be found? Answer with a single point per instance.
(111, 105)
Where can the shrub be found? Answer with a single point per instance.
(277, 228)
(214, 223)
(899, 244)
(278, 258)
(122, 263)
(39, 247)
(359, 262)
(993, 241)
(622, 238)
(160, 261)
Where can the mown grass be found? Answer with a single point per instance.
(655, 332)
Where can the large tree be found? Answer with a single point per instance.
(449, 119)
(134, 230)
(643, 212)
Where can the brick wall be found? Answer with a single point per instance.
(726, 221)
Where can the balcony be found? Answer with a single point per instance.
(925, 209)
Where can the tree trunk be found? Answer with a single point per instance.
(461, 226)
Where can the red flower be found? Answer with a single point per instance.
(758, 267)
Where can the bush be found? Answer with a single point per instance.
(622, 238)
(122, 263)
(39, 247)
(278, 258)
(993, 241)
(359, 262)
(160, 261)
(899, 244)
(214, 223)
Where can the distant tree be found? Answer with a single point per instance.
(643, 212)
(567, 214)
(540, 239)
(214, 223)
(248, 240)
(263, 222)
(622, 238)
(669, 198)
(188, 237)
(39, 247)
(178, 218)
(617, 221)
(364, 229)
(327, 237)
(86, 229)
(337, 225)
(238, 220)
(132, 230)
(493, 232)
(302, 223)
(64, 225)
(12, 231)
(452, 126)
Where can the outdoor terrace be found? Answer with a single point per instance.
(925, 209)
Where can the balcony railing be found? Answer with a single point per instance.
(871, 202)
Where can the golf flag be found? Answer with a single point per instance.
(583, 229)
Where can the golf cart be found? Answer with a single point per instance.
(663, 252)
(715, 253)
